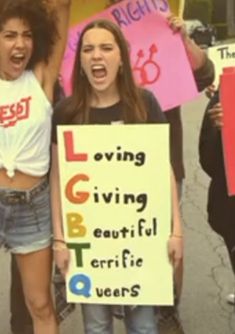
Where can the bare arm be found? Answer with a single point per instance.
(48, 73)
(55, 196)
(61, 253)
(197, 56)
(175, 245)
(176, 227)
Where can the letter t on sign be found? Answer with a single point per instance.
(69, 149)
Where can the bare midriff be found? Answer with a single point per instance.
(20, 180)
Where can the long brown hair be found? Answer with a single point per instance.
(133, 109)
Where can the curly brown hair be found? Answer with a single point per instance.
(42, 22)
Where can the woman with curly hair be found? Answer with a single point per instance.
(32, 40)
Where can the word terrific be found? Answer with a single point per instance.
(124, 260)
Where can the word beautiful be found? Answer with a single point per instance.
(80, 284)
(133, 11)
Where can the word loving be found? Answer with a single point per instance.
(80, 284)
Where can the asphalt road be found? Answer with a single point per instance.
(207, 277)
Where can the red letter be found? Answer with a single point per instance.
(23, 110)
(69, 149)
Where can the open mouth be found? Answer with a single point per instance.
(17, 59)
(99, 71)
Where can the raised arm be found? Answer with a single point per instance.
(202, 66)
(47, 73)
(197, 56)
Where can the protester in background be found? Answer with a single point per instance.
(220, 206)
(104, 92)
(203, 71)
(32, 39)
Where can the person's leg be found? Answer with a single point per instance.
(140, 320)
(97, 319)
(35, 270)
(20, 317)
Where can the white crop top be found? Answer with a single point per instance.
(25, 126)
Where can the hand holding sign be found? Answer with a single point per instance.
(177, 25)
(61, 256)
(216, 115)
(175, 250)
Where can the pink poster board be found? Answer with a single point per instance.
(227, 98)
(158, 56)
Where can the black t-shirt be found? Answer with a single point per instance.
(108, 115)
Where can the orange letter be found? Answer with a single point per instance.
(78, 197)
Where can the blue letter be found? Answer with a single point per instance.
(85, 283)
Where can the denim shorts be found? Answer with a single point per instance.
(25, 219)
